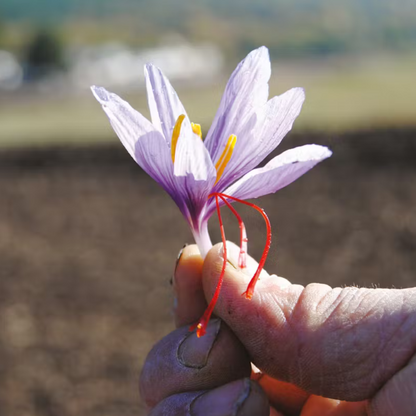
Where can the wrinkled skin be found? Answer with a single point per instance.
(321, 351)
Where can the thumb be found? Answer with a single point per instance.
(343, 343)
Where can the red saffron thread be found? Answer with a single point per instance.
(242, 257)
(201, 325)
(250, 288)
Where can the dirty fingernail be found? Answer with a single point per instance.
(173, 280)
(230, 400)
(178, 258)
(193, 352)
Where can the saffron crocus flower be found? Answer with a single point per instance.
(201, 175)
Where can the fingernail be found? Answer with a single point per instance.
(172, 280)
(227, 400)
(221, 251)
(193, 352)
(229, 261)
(179, 256)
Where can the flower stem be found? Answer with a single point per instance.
(201, 325)
(202, 239)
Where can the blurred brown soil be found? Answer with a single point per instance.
(88, 244)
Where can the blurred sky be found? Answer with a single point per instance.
(356, 59)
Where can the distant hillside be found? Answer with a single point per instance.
(372, 11)
(287, 27)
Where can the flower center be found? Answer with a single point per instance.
(225, 157)
(196, 128)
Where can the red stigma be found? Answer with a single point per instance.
(201, 325)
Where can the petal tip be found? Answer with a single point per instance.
(322, 152)
(100, 93)
(150, 68)
(263, 49)
(300, 91)
(328, 152)
(154, 74)
(259, 54)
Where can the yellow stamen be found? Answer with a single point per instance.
(175, 135)
(197, 129)
(225, 157)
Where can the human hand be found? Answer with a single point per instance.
(346, 344)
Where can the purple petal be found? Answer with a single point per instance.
(279, 172)
(164, 104)
(153, 156)
(194, 173)
(145, 144)
(128, 123)
(273, 121)
(246, 90)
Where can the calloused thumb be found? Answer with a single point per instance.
(344, 343)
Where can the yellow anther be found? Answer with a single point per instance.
(225, 157)
(175, 135)
(197, 129)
